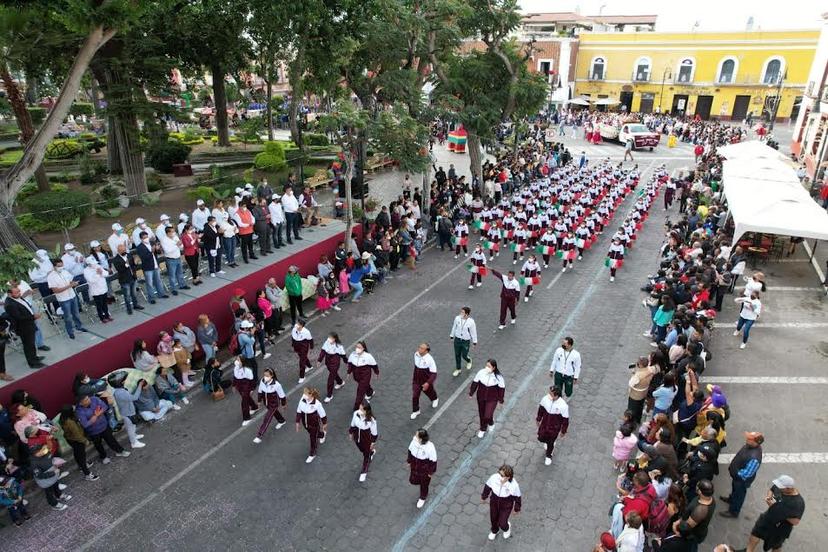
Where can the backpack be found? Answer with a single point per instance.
(235, 348)
(659, 518)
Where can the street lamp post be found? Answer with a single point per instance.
(778, 100)
(552, 74)
(664, 76)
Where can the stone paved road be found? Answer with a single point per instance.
(201, 484)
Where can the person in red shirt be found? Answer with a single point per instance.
(191, 243)
(698, 151)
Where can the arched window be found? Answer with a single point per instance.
(597, 69)
(727, 70)
(686, 69)
(642, 69)
(773, 70)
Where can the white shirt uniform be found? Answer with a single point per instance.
(425, 362)
(489, 379)
(73, 263)
(136, 234)
(58, 279)
(557, 406)
(301, 335)
(96, 281)
(422, 451)
(270, 388)
(464, 328)
(240, 371)
(170, 246)
(199, 218)
(501, 489)
(567, 363)
(362, 424)
(333, 348)
(364, 359)
(277, 215)
(306, 408)
(289, 203)
(117, 239)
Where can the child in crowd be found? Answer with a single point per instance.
(183, 364)
(11, 498)
(623, 445)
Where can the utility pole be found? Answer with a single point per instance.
(777, 101)
(664, 76)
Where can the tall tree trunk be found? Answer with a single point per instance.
(475, 154)
(349, 200)
(220, 99)
(269, 102)
(296, 72)
(113, 149)
(24, 121)
(36, 148)
(10, 231)
(132, 160)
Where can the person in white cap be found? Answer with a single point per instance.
(95, 276)
(141, 226)
(117, 238)
(96, 253)
(164, 222)
(183, 219)
(291, 207)
(40, 272)
(199, 218)
(785, 509)
(73, 263)
(277, 220)
(172, 247)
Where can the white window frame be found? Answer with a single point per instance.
(719, 68)
(592, 68)
(551, 62)
(692, 71)
(642, 61)
(782, 66)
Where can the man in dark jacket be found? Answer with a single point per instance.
(262, 216)
(124, 265)
(211, 242)
(149, 264)
(742, 470)
(23, 316)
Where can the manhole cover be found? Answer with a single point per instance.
(823, 348)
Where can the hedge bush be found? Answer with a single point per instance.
(38, 114)
(63, 149)
(9, 158)
(64, 208)
(272, 158)
(162, 157)
(314, 139)
(82, 108)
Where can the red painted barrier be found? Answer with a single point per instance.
(52, 385)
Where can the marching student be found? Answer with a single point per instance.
(494, 235)
(568, 249)
(490, 388)
(615, 256)
(503, 494)
(509, 294)
(464, 335)
(302, 341)
(422, 459)
(548, 239)
(520, 239)
(360, 365)
(364, 432)
(271, 394)
(244, 382)
(311, 415)
(425, 372)
(478, 260)
(582, 234)
(332, 352)
(530, 269)
(461, 237)
(552, 420)
(566, 366)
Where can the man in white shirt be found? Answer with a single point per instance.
(164, 221)
(73, 263)
(308, 206)
(63, 286)
(200, 215)
(464, 335)
(141, 226)
(566, 366)
(171, 247)
(42, 268)
(290, 205)
(277, 220)
(117, 237)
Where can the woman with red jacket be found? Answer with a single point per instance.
(191, 244)
(490, 388)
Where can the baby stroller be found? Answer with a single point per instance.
(368, 283)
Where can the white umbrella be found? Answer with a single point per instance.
(607, 101)
(578, 101)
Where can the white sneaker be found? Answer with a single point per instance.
(176, 407)
(478, 284)
(508, 532)
(257, 440)
(138, 444)
(514, 320)
(309, 459)
(415, 414)
(580, 257)
(322, 440)
(455, 373)
(137, 436)
(547, 461)
(469, 365)
(455, 256)
(736, 332)
(106, 460)
(339, 385)
(362, 477)
(743, 345)
(546, 266)
(420, 503)
(501, 327)
(267, 356)
(212, 275)
(545, 446)
(514, 262)
(434, 403)
(327, 400)
(59, 506)
(280, 424)
(491, 428)
(122, 454)
(563, 269)
(612, 278)
(301, 380)
(481, 434)
(525, 299)
(257, 353)
(653, 344)
(61, 486)
(185, 400)
(471, 287)
(336, 308)
(246, 422)
(63, 475)
(647, 334)
(492, 536)
(221, 272)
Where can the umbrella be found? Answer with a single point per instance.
(579, 101)
(607, 101)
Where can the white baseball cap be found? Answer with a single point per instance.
(117, 227)
(94, 243)
(183, 217)
(246, 324)
(275, 196)
(784, 482)
(200, 202)
(68, 247)
(139, 220)
(248, 186)
(164, 217)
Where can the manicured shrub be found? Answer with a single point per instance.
(163, 156)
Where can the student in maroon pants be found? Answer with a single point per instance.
(490, 388)
(503, 494)
(422, 460)
(311, 415)
(271, 394)
(302, 344)
(333, 353)
(509, 294)
(552, 421)
(364, 432)
(425, 373)
(360, 365)
(244, 383)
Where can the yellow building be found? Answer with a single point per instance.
(723, 75)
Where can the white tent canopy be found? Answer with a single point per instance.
(578, 101)
(750, 150)
(764, 195)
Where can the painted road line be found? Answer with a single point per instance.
(784, 458)
(802, 325)
(794, 288)
(555, 280)
(770, 380)
(224, 442)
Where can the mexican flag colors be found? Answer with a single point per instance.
(482, 225)
(545, 249)
(529, 280)
(493, 246)
(474, 269)
(613, 263)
